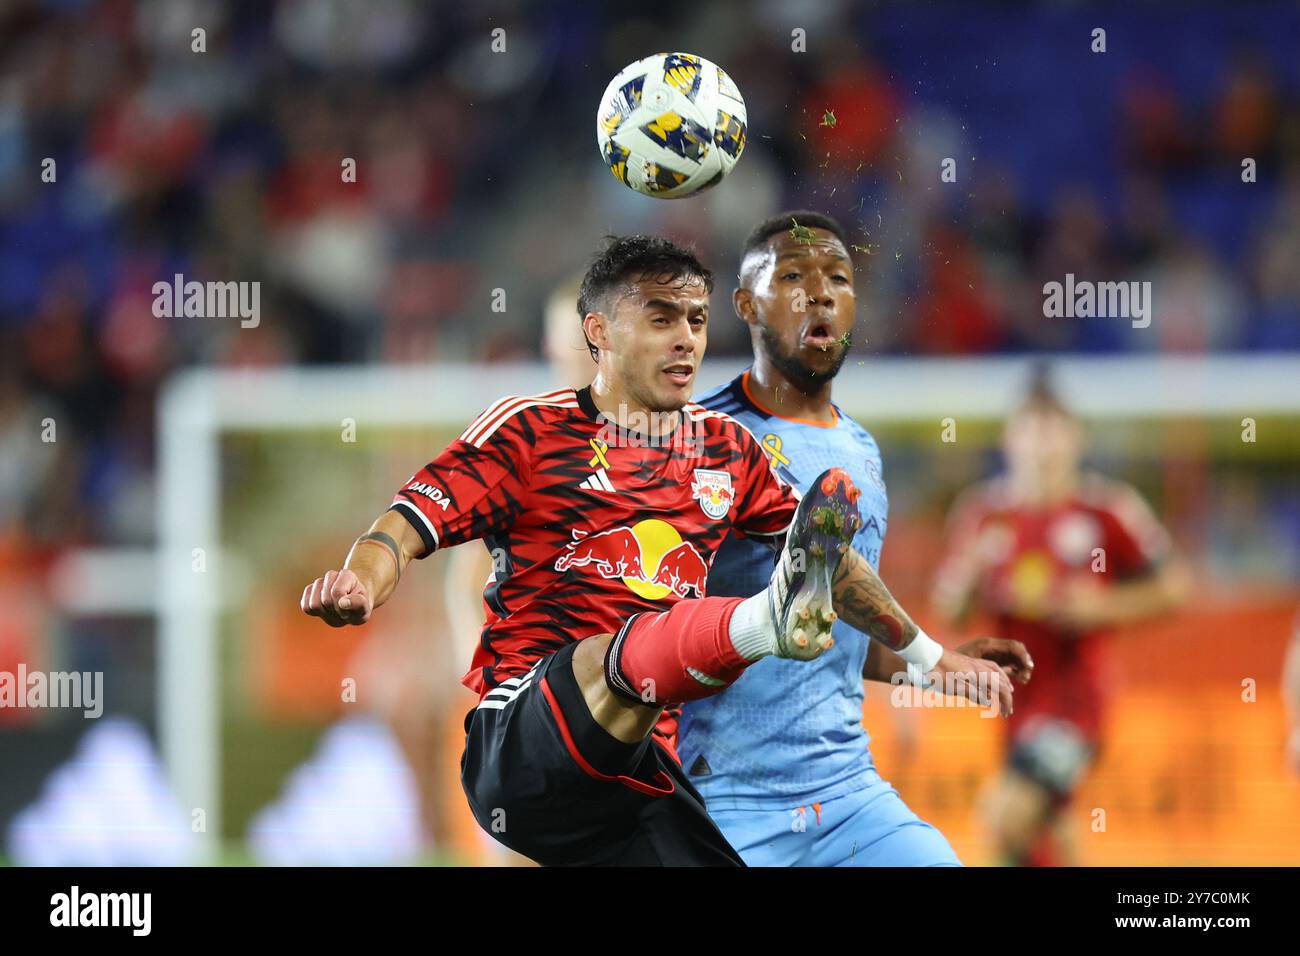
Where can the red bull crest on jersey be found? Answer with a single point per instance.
(712, 489)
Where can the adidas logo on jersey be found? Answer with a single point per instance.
(598, 482)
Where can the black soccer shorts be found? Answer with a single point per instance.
(1053, 753)
(546, 780)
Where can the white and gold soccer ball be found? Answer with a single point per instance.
(670, 125)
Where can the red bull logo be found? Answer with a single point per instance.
(649, 557)
(712, 489)
(1032, 584)
(611, 554)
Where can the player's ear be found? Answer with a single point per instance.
(594, 324)
(742, 300)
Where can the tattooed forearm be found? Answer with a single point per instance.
(864, 602)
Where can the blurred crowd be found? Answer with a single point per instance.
(477, 171)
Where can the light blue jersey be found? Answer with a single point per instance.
(789, 734)
(788, 730)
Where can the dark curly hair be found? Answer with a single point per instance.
(626, 259)
(785, 221)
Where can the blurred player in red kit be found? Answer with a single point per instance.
(1058, 557)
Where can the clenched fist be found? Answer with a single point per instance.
(339, 598)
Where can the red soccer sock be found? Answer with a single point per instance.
(684, 653)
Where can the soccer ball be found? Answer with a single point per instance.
(670, 125)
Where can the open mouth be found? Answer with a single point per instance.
(680, 374)
(819, 335)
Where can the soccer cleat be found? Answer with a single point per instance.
(799, 593)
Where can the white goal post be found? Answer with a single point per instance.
(196, 407)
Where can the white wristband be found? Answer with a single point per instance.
(916, 678)
(922, 653)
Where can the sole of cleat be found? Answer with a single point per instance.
(820, 535)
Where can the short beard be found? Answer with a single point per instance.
(805, 379)
(646, 398)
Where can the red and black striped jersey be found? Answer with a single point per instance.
(588, 523)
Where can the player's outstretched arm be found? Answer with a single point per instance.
(885, 666)
(369, 574)
(1087, 604)
(954, 674)
(862, 600)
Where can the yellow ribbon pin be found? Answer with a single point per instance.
(599, 447)
(772, 445)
